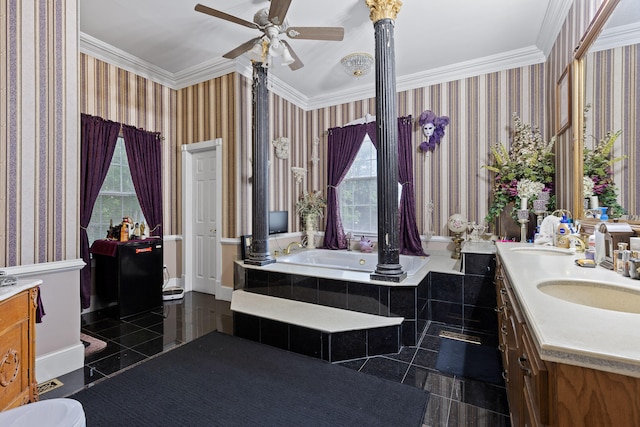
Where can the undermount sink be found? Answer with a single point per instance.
(594, 294)
(542, 250)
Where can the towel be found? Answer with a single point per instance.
(40, 309)
(547, 230)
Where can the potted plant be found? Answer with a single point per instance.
(310, 207)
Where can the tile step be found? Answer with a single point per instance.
(307, 315)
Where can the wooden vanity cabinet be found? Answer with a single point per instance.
(17, 349)
(543, 393)
(526, 375)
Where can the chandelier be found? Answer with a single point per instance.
(357, 64)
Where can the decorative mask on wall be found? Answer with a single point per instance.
(432, 128)
(282, 147)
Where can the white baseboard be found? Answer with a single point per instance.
(57, 363)
(224, 293)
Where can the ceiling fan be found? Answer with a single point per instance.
(271, 21)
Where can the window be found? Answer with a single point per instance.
(117, 197)
(358, 193)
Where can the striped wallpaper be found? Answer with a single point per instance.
(614, 94)
(480, 109)
(38, 132)
(204, 112)
(121, 96)
(41, 99)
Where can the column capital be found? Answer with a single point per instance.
(383, 9)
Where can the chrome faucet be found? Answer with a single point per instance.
(290, 245)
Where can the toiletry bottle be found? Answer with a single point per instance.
(563, 230)
(591, 247)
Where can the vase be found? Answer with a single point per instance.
(310, 228)
(510, 229)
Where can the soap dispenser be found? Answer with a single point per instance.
(563, 230)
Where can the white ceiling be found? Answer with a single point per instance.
(435, 41)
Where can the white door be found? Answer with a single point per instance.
(204, 221)
(201, 216)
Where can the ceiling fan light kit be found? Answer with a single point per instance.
(357, 64)
(272, 22)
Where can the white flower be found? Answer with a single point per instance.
(528, 189)
(587, 186)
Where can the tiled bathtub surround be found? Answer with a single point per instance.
(376, 299)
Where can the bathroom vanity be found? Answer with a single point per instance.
(17, 344)
(569, 359)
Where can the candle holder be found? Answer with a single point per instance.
(540, 209)
(523, 219)
(457, 242)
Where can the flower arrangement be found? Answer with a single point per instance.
(528, 189)
(597, 168)
(311, 204)
(529, 158)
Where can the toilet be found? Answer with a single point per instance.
(53, 412)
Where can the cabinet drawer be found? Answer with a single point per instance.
(536, 379)
(14, 310)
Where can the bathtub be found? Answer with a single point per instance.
(349, 260)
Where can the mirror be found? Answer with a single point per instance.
(605, 80)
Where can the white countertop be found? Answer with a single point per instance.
(567, 332)
(7, 292)
(439, 261)
(478, 247)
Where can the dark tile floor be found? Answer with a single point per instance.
(454, 401)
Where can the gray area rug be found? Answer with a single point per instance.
(220, 380)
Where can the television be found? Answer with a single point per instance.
(278, 222)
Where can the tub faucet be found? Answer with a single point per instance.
(290, 245)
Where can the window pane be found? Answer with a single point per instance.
(358, 193)
(117, 197)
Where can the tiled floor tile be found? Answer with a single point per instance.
(464, 415)
(452, 401)
(386, 368)
(437, 414)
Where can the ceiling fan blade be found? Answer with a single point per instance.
(316, 33)
(297, 63)
(244, 47)
(278, 11)
(213, 12)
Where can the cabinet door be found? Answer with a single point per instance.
(14, 351)
(536, 380)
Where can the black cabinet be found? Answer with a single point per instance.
(130, 275)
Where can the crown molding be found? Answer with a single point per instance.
(108, 53)
(216, 68)
(489, 64)
(623, 35)
(554, 18)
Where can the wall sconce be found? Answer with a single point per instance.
(282, 147)
(298, 173)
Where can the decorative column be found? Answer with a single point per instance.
(383, 14)
(259, 253)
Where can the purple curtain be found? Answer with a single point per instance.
(98, 139)
(144, 151)
(410, 243)
(342, 149)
